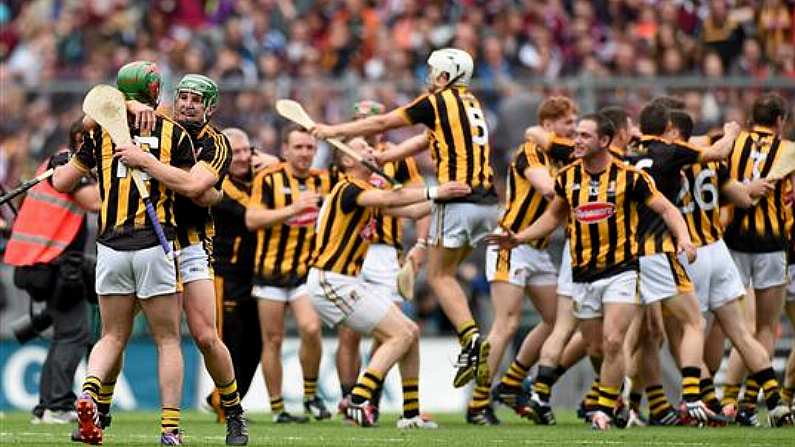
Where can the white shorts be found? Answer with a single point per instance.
(761, 270)
(280, 294)
(565, 281)
(716, 280)
(144, 273)
(662, 276)
(348, 300)
(590, 296)
(380, 269)
(194, 263)
(459, 224)
(791, 286)
(521, 266)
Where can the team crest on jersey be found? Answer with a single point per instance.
(305, 219)
(368, 232)
(378, 181)
(594, 212)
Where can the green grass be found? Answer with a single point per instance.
(141, 428)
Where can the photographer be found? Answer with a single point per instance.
(46, 247)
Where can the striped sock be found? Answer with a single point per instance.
(92, 386)
(480, 398)
(277, 405)
(658, 402)
(592, 397)
(105, 396)
(690, 383)
(514, 375)
(169, 419)
(310, 387)
(369, 382)
(730, 394)
(608, 395)
(466, 331)
(411, 398)
(787, 393)
(770, 387)
(751, 392)
(230, 397)
(543, 383)
(708, 395)
(634, 400)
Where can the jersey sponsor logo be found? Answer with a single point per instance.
(593, 212)
(305, 219)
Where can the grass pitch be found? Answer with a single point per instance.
(142, 428)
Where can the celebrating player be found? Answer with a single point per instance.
(283, 209)
(346, 227)
(459, 143)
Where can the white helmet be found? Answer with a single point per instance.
(456, 63)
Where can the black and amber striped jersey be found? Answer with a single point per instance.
(345, 229)
(663, 161)
(283, 250)
(234, 245)
(603, 218)
(699, 201)
(523, 203)
(459, 140)
(388, 229)
(764, 227)
(195, 223)
(123, 223)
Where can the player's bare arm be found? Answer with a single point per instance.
(191, 184)
(407, 148)
(552, 218)
(258, 217)
(541, 181)
(744, 196)
(377, 198)
(66, 177)
(721, 149)
(415, 211)
(363, 127)
(538, 135)
(676, 224)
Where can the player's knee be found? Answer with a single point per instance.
(613, 343)
(409, 332)
(273, 338)
(506, 326)
(309, 330)
(206, 340)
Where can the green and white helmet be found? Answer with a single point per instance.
(200, 85)
(140, 80)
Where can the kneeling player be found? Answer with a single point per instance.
(345, 229)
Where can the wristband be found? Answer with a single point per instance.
(431, 192)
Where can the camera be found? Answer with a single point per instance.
(30, 326)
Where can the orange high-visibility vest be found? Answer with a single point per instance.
(48, 221)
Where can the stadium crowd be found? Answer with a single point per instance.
(277, 48)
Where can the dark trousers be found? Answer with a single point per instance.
(70, 341)
(239, 327)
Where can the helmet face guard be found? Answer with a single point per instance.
(140, 81)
